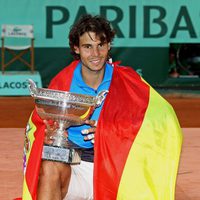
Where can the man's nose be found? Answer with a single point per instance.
(95, 51)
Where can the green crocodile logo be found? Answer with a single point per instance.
(16, 29)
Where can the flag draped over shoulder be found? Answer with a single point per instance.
(137, 141)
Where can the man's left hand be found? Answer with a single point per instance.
(89, 133)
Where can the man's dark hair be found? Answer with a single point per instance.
(89, 23)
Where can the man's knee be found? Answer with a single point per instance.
(49, 171)
(54, 171)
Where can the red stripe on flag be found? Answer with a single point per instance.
(118, 125)
(33, 166)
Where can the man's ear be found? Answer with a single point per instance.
(109, 46)
(76, 50)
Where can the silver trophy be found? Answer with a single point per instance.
(67, 109)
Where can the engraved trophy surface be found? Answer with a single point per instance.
(67, 109)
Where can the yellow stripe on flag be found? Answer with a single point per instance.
(31, 137)
(30, 134)
(26, 193)
(151, 167)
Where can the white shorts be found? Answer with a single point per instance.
(81, 182)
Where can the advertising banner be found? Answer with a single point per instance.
(138, 23)
(145, 31)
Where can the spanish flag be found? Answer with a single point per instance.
(137, 142)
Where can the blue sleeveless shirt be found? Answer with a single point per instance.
(80, 87)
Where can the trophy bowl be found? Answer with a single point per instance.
(67, 109)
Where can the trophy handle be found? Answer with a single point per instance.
(100, 97)
(32, 87)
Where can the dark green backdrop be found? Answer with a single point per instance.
(152, 62)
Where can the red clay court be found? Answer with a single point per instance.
(14, 112)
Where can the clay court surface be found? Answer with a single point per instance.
(14, 112)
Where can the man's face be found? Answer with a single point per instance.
(93, 53)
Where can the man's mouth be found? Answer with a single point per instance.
(95, 61)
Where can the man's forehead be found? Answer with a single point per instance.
(91, 36)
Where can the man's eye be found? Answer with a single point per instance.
(87, 46)
(101, 45)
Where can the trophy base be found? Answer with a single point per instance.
(61, 154)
